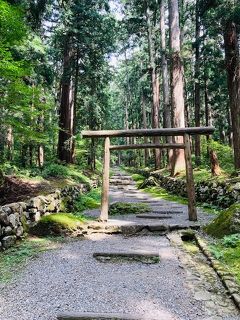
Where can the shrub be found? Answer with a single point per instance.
(231, 241)
(92, 200)
(224, 153)
(55, 170)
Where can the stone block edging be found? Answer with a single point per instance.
(219, 193)
(225, 276)
(95, 316)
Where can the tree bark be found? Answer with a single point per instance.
(127, 103)
(215, 168)
(65, 140)
(40, 156)
(155, 87)
(146, 152)
(177, 84)
(233, 74)
(9, 144)
(165, 79)
(197, 86)
(208, 116)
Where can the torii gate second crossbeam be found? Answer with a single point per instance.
(184, 132)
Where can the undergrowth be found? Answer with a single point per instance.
(49, 171)
(17, 257)
(227, 251)
(91, 200)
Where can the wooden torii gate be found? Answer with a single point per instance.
(184, 132)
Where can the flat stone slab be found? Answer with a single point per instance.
(166, 212)
(153, 216)
(96, 316)
(154, 204)
(145, 257)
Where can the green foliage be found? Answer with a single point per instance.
(55, 170)
(122, 208)
(224, 153)
(217, 252)
(138, 178)
(231, 241)
(91, 200)
(12, 261)
(60, 171)
(227, 250)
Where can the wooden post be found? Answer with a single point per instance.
(105, 186)
(192, 212)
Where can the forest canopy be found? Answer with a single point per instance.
(67, 66)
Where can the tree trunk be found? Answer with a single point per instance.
(207, 110)
(165, 79)
(40, 159)
(215, 168)
(146, 152)
(65, 140)
(127, 103)
(30, 149)
(155, 88)
(76, 81)
(233, 74)
(230, 136)
(177, 84)
(197, 86)
(9, 144)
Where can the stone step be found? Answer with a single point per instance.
(153, 216)
(166, 212)
(121, 177)
(96, 316)
(139, 256)
(121, 182)
(130, 230)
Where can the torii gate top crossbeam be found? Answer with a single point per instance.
(148, 132)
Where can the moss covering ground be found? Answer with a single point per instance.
(58, 224)
(123, 208)
(12, 261)
(223, 224)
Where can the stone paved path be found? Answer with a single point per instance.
(182, 286)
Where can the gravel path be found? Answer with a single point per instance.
(70, 279)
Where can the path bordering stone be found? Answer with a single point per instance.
(225, 276)
(153, 216)
(96, 316)
(128, 256)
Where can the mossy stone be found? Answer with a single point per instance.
(228, 222)
(122, 208)
(57, 224)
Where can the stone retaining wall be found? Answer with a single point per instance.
(221, 194)
(15, 218)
